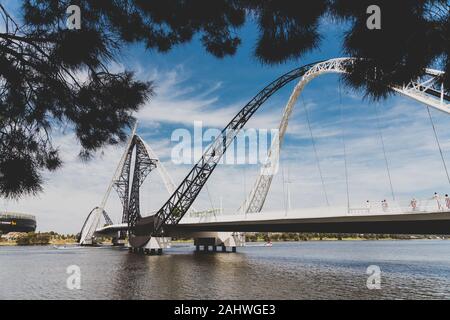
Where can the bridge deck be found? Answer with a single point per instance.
(323, 220)
(388, 223)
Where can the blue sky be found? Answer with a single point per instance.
(192, 85)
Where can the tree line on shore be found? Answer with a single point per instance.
(46, 238)
(39, 238)
(307, 236)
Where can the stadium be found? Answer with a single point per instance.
(17, 222)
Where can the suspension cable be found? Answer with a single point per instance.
(438, 144)
(284, 191)
(384, 150)
(209, 198)
(315, 152)
(344, 146)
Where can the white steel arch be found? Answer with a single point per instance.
(426, 90)
(166, 178)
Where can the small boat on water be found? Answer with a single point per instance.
(268, 244)
(67, 247)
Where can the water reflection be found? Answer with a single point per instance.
(311, 270)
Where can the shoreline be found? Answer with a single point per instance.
(70, 243)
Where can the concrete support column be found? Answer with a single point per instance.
(224, 249)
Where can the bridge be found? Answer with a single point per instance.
(177, 217)
(315, 220)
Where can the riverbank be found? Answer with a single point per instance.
(291, 236)
(53, 242)
(8, 243)
(36, 239)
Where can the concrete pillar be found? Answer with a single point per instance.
(215, 248)
(224, 249)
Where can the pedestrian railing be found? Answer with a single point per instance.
(373, 208)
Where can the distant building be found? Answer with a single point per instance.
(17, 222)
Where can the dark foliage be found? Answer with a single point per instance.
(288, 29)
(52, 76)
(41, 61)
(413, 35)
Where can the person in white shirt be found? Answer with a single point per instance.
(438, 201)
(368, 206)
(447, 201)
(384, 205)
(413, 204)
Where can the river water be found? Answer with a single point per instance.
(417, 269)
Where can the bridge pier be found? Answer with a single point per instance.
(215, 239)
(154, 246)
(118, 242)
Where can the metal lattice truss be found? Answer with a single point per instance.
(108, 220)
(143, 165)
(122, 184)
(428, 90)
(144, 162)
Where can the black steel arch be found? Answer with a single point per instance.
(180, 201)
